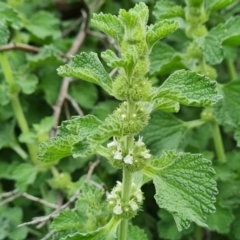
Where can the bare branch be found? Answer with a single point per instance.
(65, 83)
(8, 194)
(19, 46)
(75, 105)
(48, 235)
(91, 169)
(10, 199)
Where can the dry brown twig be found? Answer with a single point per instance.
(66, 80)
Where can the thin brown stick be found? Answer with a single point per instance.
(75, 105)
(67, 112)
(65, 83)
(10, 199)
(8, 194)
(19, 46)
(91, 169)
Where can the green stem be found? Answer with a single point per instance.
(194, 123)
(218, 144)
(231, 69)
(17, 108)
(20, 151)
(127, 178)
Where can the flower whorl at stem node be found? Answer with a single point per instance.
(125, 210)
(132, 159)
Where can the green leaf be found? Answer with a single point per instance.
(70, 132)
(10, 217)
(161, 56)
(211, 48)
(164, 131)
(44, 25)
(227, 31)
(4, 32)
(84, 93)
(226, 109)
(189, 88)
(160, 30)
(102, 233)
(87, 67)
(66, 220)
(235, 226)
(108, 24)
(10, 15)
(184, 187)
(134, 232)
(215, 5)
(24, 174)
(91, 208)
(166, 9)
(28, 83)
(47, 55)
(221, 220)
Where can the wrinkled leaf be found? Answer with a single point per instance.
(89, 68)
(184, 187)
(189, 88)
(108, 24)
(160, 30)
(4, 33)
(70, 132)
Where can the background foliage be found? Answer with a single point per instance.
(39, 36)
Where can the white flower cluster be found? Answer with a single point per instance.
(128, 159)
(114, 199)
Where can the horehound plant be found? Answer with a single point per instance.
(183, 181)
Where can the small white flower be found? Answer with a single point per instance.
(134, 115)
(118, 154)
(129, 158)
(113, 143)
(146, 154)
(123, 116)
(133, 205)
(118, 208)
(140, 143)
(139, 196)
(112, 195)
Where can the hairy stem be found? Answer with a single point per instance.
(127, 178)
(231, 69)
(17, 108)
(218, 144)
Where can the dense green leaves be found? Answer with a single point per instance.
(44, 25)
(87, 67)
(135, 232)
(184, 186)
(189, 88)
(70, 132)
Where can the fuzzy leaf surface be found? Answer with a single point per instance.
(66, 220)
(211, 48)
(189, 88)
(226, 109)
(166, 9)
(109, 24)
(164, 131)
(70, 132)
(184, 187)
(102, 233)
(160, 30)
(88, 67)
(134, 232)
